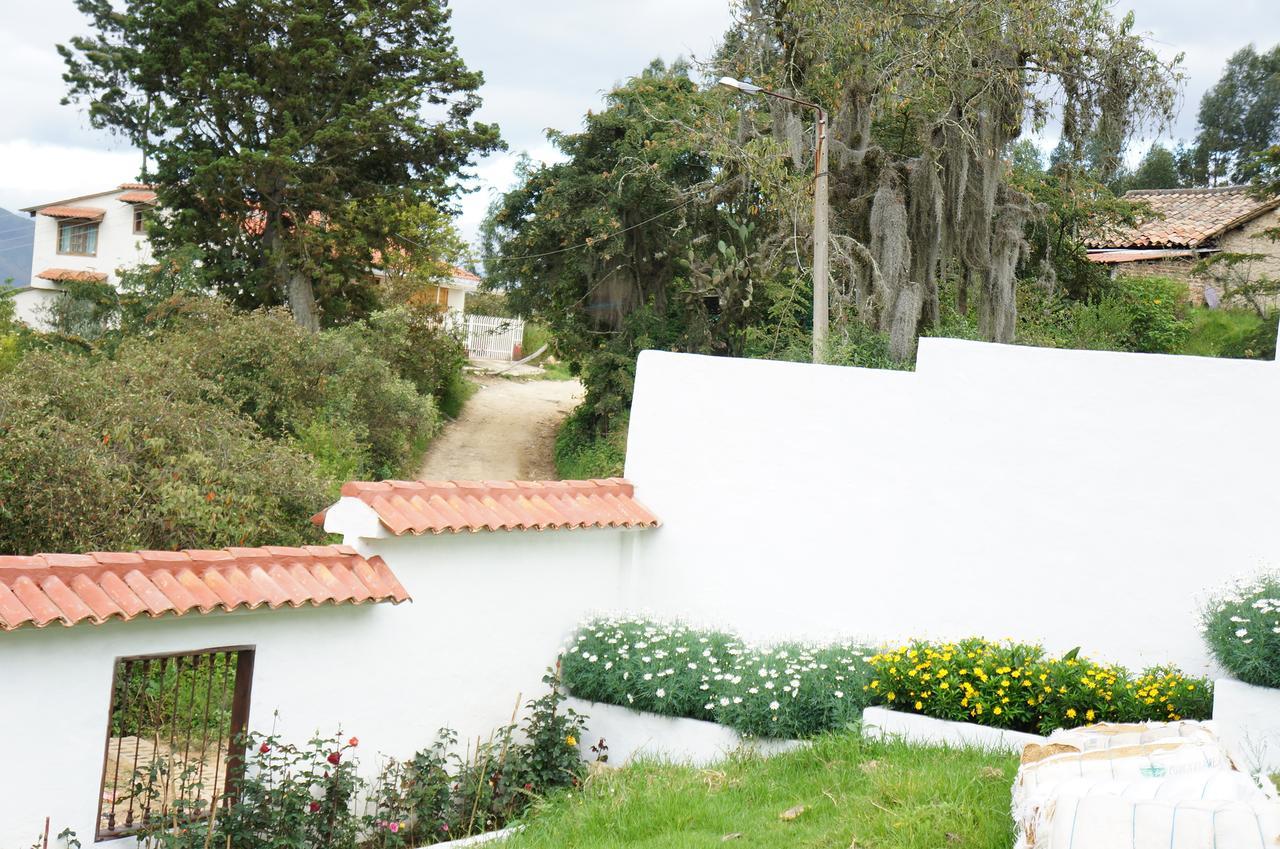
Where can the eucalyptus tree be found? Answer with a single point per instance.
(284, 133)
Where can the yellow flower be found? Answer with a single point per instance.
(997, 711)
(571, 740)
(1089, 714)
(1071, 713)
(919, 705)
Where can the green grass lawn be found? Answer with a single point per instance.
(854, 794)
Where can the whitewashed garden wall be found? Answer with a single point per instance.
(1074, 497)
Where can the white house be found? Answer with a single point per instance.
(93, 237)
(90, 237)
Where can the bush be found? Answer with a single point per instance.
(338, 392)
(1157, 307)
(581, 454)
(782, 691)
(142, 452)
(1017, 686)
(1241, 624)
(1239, 334)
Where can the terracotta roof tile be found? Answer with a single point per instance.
(138, 196)
(72, 274)
(92, 213)
(420, 507)
(136, 186)
(1185, 218)
(463, 274)
(72, 588)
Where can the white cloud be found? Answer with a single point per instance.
(40, 172)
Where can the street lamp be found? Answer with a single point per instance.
(820, 224)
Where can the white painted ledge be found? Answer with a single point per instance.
(883, 724)
(1248, 720)
(479, 839)
(632, 734)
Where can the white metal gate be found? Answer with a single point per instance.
(493, 338)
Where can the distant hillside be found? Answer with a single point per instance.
(16, 238)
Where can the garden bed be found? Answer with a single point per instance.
(631, 734)
(1248, 719)
(883, 724)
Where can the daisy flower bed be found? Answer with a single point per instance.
(780, 691)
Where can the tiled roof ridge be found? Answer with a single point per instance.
(1195, 190)
(41, 589)
(460, 505)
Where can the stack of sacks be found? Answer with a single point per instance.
(1160, 785)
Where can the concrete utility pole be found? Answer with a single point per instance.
(821, 257)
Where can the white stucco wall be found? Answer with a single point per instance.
(1073, 497)
(118, 246)
(490, 611)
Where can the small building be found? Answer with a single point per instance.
(1186, 226)
(87, 238)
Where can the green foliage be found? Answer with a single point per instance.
(1240, 334)
(485, 301)
(1239, 117)
(287, 135)
(1241, 624)
(1157, 170)
(141, 452)
(1157, 307)
(1018, 686)
(419, 347)
(854, 792)
(781, 691)
(582, 454)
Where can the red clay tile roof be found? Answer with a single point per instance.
(1185, 218)
(72, 274)
(136, 186)
(138, 196)
(463, 274)
(92, 213)
(71, 588)
(420, 507)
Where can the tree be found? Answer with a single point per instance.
(1157, 170)
(1242, 275)
(284, 132)
(636, 240)
(926, 98)
(1240, 116)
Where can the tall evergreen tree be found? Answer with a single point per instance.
(286, 134)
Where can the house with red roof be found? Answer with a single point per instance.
(1186, 226)
(85, 238)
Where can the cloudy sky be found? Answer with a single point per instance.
(545, 62)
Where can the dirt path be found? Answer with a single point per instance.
(506, 431)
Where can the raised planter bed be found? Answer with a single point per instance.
(633, 733)
(882, 723)
(1248, 720)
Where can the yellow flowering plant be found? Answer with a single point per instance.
(1018, 686)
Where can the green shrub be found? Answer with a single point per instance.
(330, 390)
(581, 454)
(1017, 686)
(1239, 334)
(1157, 307)
(420, 348)
(781, 691)
(142, 452)
(1241, 624)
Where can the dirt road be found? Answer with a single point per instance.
(506, 431)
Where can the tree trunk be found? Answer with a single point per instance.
(295, 284)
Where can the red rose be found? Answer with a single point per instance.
(315, 806)
(334, 757)
(263, 749)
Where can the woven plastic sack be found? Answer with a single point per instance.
(1112, 822)
(1124, 763)
(1217, 785)
(1107, 735)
